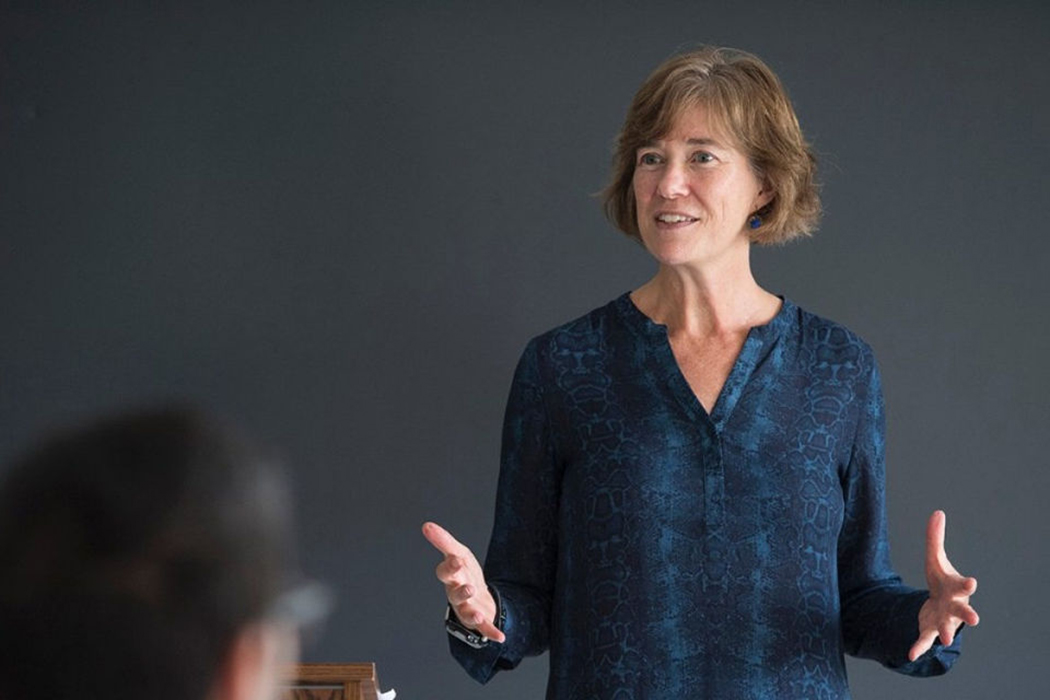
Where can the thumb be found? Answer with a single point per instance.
(936, 559)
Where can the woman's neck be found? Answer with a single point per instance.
(705, 302)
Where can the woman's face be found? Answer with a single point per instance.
(694, 193)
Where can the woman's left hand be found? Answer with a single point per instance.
(948, 606)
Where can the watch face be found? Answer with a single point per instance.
(468, 636)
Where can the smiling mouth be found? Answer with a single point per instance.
(675, 219)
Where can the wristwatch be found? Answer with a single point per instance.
(468, 636)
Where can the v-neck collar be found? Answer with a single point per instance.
(758, 338)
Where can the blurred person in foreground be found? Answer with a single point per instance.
(148, 555)
(691, 500)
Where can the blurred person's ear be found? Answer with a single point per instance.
(252, 667)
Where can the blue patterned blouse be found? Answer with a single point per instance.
(661, 552)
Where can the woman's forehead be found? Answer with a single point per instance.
(695, 121)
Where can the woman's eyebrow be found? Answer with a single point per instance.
(692, 141)
(702, 141)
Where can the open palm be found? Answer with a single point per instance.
(948, 606)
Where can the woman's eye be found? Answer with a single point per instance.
(648, 159)
(703, 157)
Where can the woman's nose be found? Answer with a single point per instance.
(673, 182)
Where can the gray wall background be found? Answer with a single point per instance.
(340, 222)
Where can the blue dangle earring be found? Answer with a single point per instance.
(755, 221)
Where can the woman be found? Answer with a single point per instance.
(691, 494)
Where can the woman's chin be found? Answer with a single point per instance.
(676, 253)
(677, 256)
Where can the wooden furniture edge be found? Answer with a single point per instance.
(330, 672)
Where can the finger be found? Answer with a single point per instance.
(955, 586)
(947, 631)
(935, 556)
(491, 632)
(922, 644)
(475, 619)
(459, 594)
(442, 539)
(451, 570)
(965, 613)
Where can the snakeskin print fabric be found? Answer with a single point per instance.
(658, 551)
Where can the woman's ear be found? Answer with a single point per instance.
(764, 197)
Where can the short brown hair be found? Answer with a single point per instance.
(748, 101)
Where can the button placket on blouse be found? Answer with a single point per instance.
(710, 425)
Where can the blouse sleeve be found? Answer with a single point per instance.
(879, 613)
(522, 554)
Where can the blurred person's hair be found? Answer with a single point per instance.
(132, 551)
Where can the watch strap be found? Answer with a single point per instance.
(471, 637)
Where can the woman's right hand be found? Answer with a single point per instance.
(464, 581)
